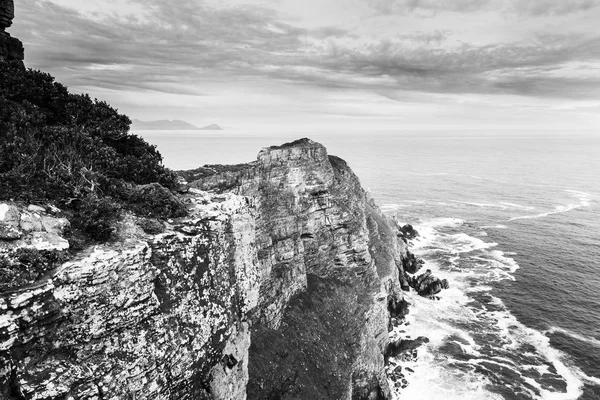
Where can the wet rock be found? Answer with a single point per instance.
(405, 346)
(428, 285)
(412, 264)
(408, 232)
(398, 308)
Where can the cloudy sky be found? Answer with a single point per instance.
(327, 64)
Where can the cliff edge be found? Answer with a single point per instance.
(10, 48)
(277, 285)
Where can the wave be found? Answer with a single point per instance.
(483, 205)
(494, 227)
(589, 340)
(478, 349)
(585, 200)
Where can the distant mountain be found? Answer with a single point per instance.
(170, 125)
(211, 127)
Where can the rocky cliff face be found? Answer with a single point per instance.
(10, 48)
(277, 285)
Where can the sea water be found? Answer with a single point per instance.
(511, 219)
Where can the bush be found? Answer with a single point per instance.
(71, 150)
(151, 226)
(24, 266)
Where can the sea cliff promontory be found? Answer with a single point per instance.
(277, 284)
(120, 279)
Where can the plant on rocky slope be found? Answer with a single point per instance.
(73, 151)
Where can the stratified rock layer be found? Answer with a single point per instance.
(277, 285)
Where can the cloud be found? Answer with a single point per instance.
(519, 7)
(184, 45)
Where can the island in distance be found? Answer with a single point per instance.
(171, 125)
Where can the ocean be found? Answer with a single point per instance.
(511, 219)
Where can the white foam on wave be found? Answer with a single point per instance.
(585, 200)
(519, 206)
(393, 207)
(494, 227)
(465, 260)
(482, 205)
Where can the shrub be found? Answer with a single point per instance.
(24, 266)
(71, 150)
(151, 226)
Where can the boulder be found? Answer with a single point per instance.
(412, 264)
(31, 222)
(55, 226)
(428, 285)
(9, 215)
(408, 232)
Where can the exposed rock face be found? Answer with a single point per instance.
(277, 285)
(10, 48)
(7, 13)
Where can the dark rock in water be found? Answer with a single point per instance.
(408, 232)
(428, 285)
(397, 308)
(412, 264)
(401, 346)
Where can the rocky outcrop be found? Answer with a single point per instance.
(329, 260)
(278, 284)
(7, 13)
(152, 317)
(412, 264)
(428, 285)
(10, 48)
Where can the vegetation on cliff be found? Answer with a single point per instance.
(77, 153)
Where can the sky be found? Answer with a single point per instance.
(327, 64)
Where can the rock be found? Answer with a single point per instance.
(397, 308)
(9, 214)
(45, 241)
(31, 222)
(407, 346)
(9, 232)
(411, 264)
(169, 316)
(428, 285)
(55, 226)
(408, 232)
(36, 209)
(50, 209)
(7, 13)
(10, 48)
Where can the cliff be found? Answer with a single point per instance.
(277, 285)
(10, 48)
